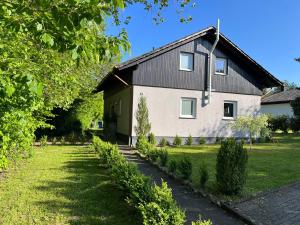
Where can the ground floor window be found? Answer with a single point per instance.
(230, 110)
(188, 108)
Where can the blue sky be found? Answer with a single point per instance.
(267, 30)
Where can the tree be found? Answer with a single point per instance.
(143, 125)
(252, 126)
(297, 59)
(290, 85)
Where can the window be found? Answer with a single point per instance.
(186, 61)
(120, 107)
(230, 109)
(188, 108)
(221, 66)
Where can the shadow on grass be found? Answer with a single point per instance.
(87, 196)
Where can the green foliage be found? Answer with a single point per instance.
(202, 222)
(279, 123)
(202, 141)
(252, 125)
(43, 141)
(143, 145)
(62, 140)
(155, 203)
(204, 175)
(177, 141)
(153, 154)
(163, 156)
(185, 167)
(152, 139)
(189, 140)
(295, 124)
(163, 142)
(143, 126)
(172, 167)
(54, 141)
(296, 107)
(231, 167)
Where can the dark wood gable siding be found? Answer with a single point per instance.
(163, 71)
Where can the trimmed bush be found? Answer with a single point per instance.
(202, 222)
(153, 154)
(204, 175)
(202, 141)
(152, 139)
(177, 140)
(185, 167)
(231, 167)
(163, 156)
(143, 145)
(163, 142)
(172, 167)
(189, 140)
(155, 203)
(295, 124)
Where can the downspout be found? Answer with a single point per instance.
(210, 57)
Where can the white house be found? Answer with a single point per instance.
(280, 103)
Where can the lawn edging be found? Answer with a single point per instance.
(213, 199)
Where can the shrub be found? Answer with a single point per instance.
(172, 167)
(279, 123)
(204, 175)
(177, 140)
(152, 139)
(62, 140)
(54, 141)
(143, 145)
(185, 167)
(73, 138)
(295, 124)
(202, 222)
(163, 142)
(202, 141)
(296, 107)
(153, 154)
(189, 140)
(163, 156)
(231, 167)
(162, 208)
(43, 141)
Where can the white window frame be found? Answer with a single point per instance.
(225, 66)
(186, 53)
(193, 116)
(235, 109)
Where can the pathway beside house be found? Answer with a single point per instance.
(193, 204)
(277, 207)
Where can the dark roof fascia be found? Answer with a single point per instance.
(275, 102)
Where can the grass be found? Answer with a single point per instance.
(270, 165)
(61, 185)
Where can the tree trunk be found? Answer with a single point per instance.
(250, 141)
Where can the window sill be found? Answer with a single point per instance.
(186, 70)
(229, 118)
(187, 117)
(223, 74)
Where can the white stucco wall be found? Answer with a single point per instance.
(123, 116)
(278, 109)
(164, 111)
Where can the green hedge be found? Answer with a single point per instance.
(154, 203)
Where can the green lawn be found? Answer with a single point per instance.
(61, 185)
(270, 165)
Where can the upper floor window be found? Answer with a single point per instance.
(186, 61)
(221, 66)
(230, 110)
(188, 108)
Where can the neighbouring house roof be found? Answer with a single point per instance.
(270, 79)
(281, 97)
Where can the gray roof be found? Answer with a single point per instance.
(281, 97)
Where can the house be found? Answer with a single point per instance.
(280, 103)
(191, 88)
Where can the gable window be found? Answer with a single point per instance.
(221, 66)
(230, 110)
(186, 61)
(188, 108)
